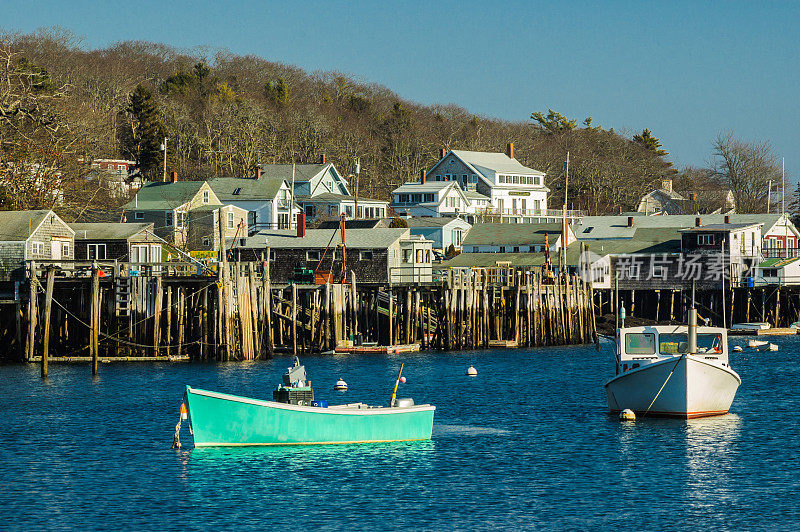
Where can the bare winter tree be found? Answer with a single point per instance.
(747, 168)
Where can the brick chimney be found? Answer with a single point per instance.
(630, 221)
(322, 159)
(442, 153)
(727, 218)
(258, 172)
(423, 177)
(301, 224)
(510, 150)
(174, 176)
(698, 222)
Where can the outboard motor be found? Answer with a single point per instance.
(296, 388)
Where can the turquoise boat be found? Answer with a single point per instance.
(294, 418)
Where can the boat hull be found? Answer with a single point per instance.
(696, 388)
(219, 419)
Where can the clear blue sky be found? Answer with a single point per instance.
(686, 70)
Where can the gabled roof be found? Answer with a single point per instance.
(718, 228)
(302, 172)
(264, 188)
(330, 197)
(428, 186)
(511, 234)
(160, 195)
(109, 231)
(379, 238)
(605, 227)
(487, 162)
(19, 225)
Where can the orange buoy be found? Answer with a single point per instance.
(184, 412)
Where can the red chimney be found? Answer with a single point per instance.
(630, 221)
(698, 222)
(727, 218)
(510, 150)
(322, 159)
(423, 177)
(258, 172)
(301, 225)
(174, 177)
(442, 153)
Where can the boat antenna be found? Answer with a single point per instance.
(396, 384)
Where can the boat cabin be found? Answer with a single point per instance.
(639, 346)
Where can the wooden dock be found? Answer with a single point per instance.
(378, 349)
(163, 312)
(774, 331)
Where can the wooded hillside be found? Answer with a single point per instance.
(61, 104)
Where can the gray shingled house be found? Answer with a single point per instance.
(32, 235)
(123, 242)
(379, 255)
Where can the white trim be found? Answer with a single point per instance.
(346, 410)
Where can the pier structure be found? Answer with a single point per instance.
(777, 305)
(159, 311)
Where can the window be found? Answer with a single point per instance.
(407, 256)
(96, 251)
(348, 211)
(206, 242)
(640, 343)
(312, 254)
(138, 215)
(438, 178)
(705, 240)
(65, 249)
(516, 249)
(283, 221)
(180, 221)
(420, 256)
(416, 198)
(428, 197)
(452, 202)
(402, 198)
(272, 255)
(502, 249)
(428, 256)
(365, 255)
(659, 272)
(206, 196)
(168, 218)
(236, 191)
(37, 248)
(769, 272)
(230, 220)
(501, 178)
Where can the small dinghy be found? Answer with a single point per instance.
(755, 344)
(738, 348)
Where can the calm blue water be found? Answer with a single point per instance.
(526, 444)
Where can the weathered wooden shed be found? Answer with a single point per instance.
(116, 241)
(32, 235)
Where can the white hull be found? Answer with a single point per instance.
(697, 388)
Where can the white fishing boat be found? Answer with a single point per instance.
(675, 371)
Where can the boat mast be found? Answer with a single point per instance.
(693, 326)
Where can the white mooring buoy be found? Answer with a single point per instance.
(737, 349)
(340, 385)
(472, 372)
(773, 347)
(627, 415)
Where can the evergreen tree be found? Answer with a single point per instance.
(277, 92)
(649, 142)
(554, 122)
(143, 138)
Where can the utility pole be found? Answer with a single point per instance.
(564, 228)
(769, 195)
(291, 203)
(358, 171)
(164, 148)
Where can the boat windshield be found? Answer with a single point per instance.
(678, 343)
